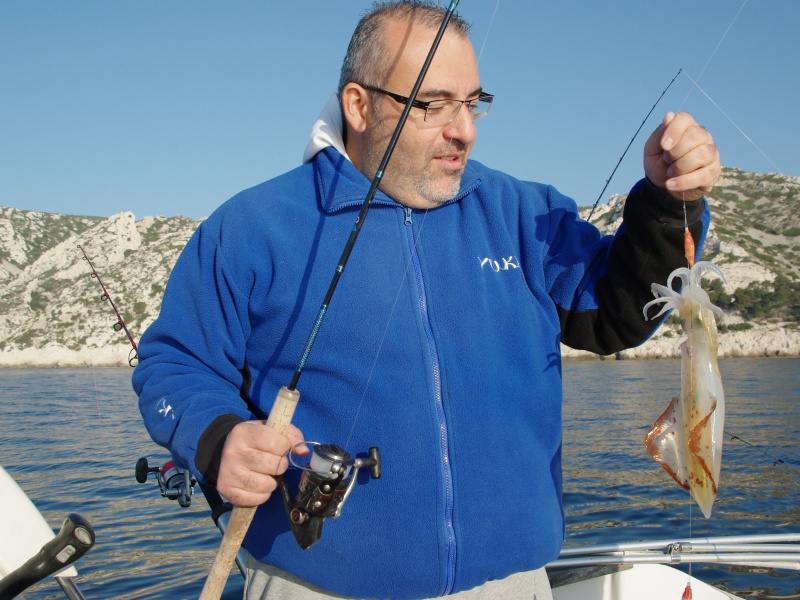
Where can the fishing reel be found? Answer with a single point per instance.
(325, 484)
(175, 483)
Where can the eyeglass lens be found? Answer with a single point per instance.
(440, 112)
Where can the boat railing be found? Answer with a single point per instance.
(778, 551)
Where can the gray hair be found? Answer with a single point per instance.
(367, 60)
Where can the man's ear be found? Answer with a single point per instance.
(355, 103)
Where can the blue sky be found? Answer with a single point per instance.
(171, 107)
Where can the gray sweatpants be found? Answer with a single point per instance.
(265, 582)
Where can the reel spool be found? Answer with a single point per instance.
(324, 486)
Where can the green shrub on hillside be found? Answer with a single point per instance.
(777, 300)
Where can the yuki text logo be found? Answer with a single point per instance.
(504, 264)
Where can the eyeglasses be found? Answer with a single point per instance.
(442, 112)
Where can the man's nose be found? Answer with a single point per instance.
(462, 127)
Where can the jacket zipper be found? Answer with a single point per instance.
(437, 389)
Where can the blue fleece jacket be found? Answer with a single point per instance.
(441, 347)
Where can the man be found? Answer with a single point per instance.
(441, 346)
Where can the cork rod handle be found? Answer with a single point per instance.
(280, 417)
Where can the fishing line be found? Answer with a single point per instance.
(687, 592)
(689, 249)
(688, 252)
(385, 331)
(594, 206)
(286, 401)
(415, 241)
(714, 52)
(483, 47)
(488, 30)
(695, 84)
(373, 189)
(733, 123)
(790, 470)
(97, 402)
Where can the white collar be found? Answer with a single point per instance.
(328, 130)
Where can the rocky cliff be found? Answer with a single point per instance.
(52, 312)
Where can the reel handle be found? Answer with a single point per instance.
(374, 463)
(143, 469)
(280, 417)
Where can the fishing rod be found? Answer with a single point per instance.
(133, 355)
(304, 520)
(362, 215)
(594, 206)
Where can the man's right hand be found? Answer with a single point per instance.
(252, 456)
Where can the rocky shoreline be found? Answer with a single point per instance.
(53, 356)
(51, 313)
(760, 341)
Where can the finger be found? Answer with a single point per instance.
(256, 435)
(254, 447)
(240, 464)
(296, 439)
(246, 476)
(653, 145)
(246, 488)
(695, 172)
(693, 186)
(675, 127)
(250, 481)
(698, 157)
(693, 137)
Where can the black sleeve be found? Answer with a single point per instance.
(646, 249)
(209, 447)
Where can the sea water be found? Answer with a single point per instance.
(615, 492)
(71, 439)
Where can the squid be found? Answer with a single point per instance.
(687, 439)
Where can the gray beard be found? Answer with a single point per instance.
(439, 196)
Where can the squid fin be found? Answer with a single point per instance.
(682, 457)
(666, 443)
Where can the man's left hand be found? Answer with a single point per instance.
(680, 157)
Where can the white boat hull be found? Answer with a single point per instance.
(23, 529)
(637, 582)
